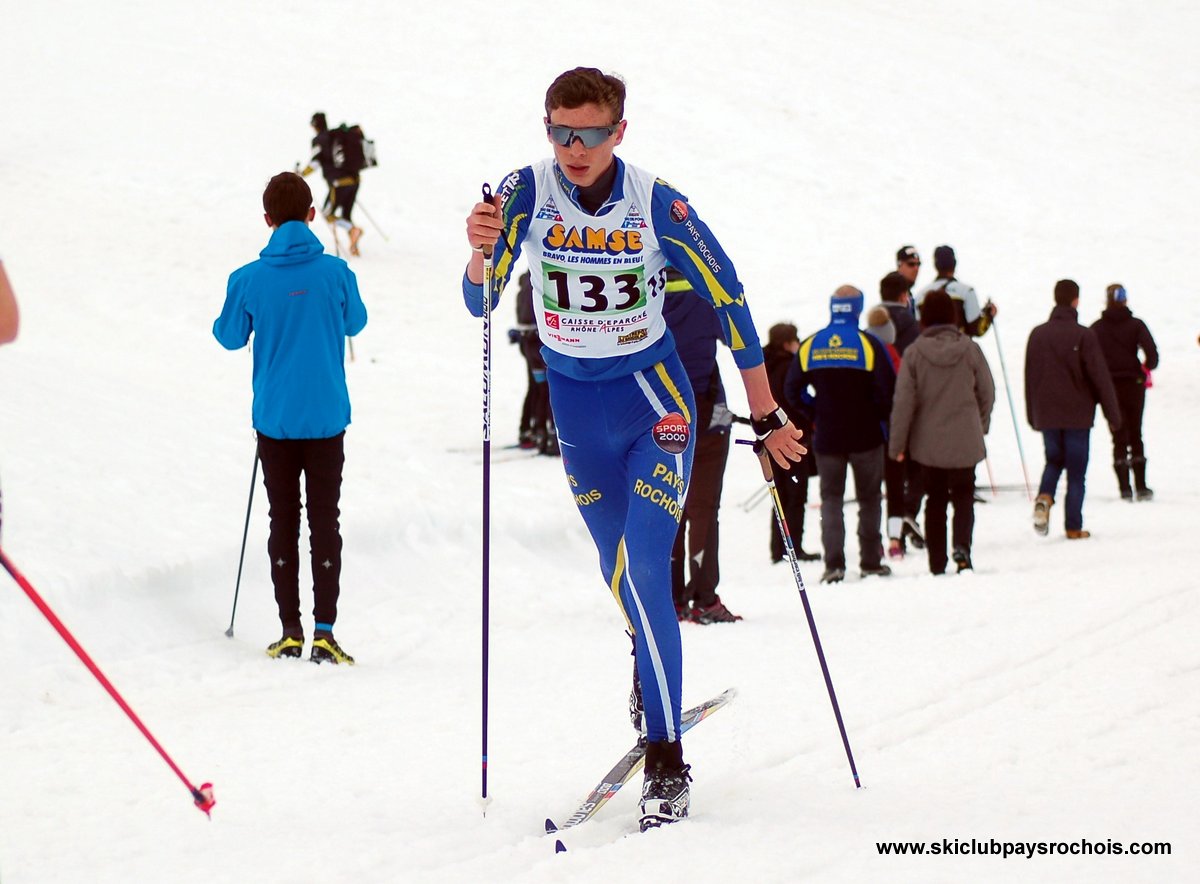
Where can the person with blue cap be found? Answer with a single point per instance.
(844, 379)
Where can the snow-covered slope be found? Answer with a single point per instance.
(1051, 696)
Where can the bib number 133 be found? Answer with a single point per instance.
(593, 292)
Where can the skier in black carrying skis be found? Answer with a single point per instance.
(599, 234)
(339, 154)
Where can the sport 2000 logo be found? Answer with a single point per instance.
(671, 434)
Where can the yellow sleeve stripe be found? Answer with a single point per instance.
(505, 265)
(661, 371)
(868, 351)
(720, 297)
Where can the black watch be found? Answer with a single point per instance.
(763, 426)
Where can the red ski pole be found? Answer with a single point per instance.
(202, 796)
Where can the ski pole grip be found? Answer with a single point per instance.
(490, 199)
(764, 459)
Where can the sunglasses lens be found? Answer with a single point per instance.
(592, 137)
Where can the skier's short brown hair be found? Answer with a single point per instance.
(287, 198)
(580, 86)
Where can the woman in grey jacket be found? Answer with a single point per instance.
(940, 414)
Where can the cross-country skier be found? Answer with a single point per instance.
(300, 304)
(599, 234)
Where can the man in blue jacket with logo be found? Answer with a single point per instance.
(301, 304)
(852, 383)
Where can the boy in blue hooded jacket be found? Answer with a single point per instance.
(301, 304)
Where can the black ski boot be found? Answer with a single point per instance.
(962, 558)
(637, 710)
(1121, 468)
(666, 795)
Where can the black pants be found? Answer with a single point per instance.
(794, 498)
(1127, 441)
(341, 198)
(320, 460)
(699, 523)
(537, 418)
(944, 487)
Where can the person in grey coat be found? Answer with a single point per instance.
(1065, 376)
(940, 414)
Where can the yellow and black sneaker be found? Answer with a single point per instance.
(288, 646)
(325, 649)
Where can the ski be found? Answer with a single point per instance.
(631, 762)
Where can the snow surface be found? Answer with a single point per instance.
(1050, 696)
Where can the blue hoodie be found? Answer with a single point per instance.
(301, 304)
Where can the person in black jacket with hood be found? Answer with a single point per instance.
(1121, 336)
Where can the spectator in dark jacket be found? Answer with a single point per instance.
(943, 405)
(904, 488)
(694, 324)
(895, 295)
(1065, 377)
(852, 381)
(537, 418)
(779, 353)
(1121, 336)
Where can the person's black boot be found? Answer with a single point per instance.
(1121, 468)
(1139, 478)
(666, 795)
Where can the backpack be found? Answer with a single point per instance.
(352, 152)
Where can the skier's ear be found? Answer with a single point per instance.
(312, 213)
(267, 218)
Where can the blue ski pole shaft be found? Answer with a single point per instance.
(245, 531)
(764, 460)
(1012, 410)
(487, 488)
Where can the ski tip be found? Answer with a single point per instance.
(559, 847)
(550, 827)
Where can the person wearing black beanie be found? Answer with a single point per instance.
(1065, 377)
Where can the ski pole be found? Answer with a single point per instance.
(378, 229)
(202, 796)
(487, 478)
(1012, 410)
(764, 461)
(242, 558)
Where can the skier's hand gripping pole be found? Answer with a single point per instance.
(764, 461)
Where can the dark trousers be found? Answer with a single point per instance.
(699, 523)
(320, 461)
(905, 486)
(1067, 449)
(537, 417)
(944, 487)
(794, 498)
(867, 467)
(341, 198)
(1127, 441)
